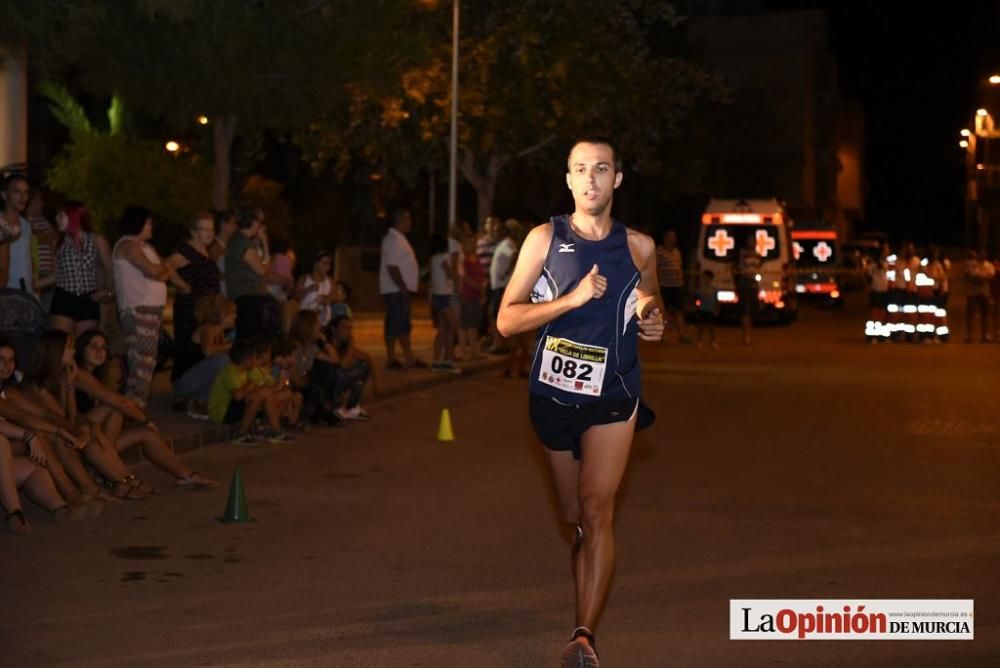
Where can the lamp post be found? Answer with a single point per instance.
(453, 145)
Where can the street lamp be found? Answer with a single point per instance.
(453, 147)
(982, 112)
(203, 120)
(963, 144)
(965, 132)
(172, 146)
(995, 79)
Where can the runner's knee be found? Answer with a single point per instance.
(596, 512)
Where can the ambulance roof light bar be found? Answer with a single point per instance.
(741, 219)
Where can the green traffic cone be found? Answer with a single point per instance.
(236, 508)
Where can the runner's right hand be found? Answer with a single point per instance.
(591, 286)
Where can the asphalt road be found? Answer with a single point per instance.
(808, 465)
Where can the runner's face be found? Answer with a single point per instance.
(592, 177)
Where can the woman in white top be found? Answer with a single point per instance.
(314, 291)
(140, 280)
(442, 307)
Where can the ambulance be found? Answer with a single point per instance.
(725, 226)
(816, 252)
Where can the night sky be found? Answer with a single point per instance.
(916, 71)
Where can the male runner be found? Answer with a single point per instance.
(589, 283)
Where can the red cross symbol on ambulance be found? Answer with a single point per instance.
(721, 243)
(822, 251)
(765, 243)
(797, 249)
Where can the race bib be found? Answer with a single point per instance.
(573, 367)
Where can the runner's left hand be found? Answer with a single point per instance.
(651, 327)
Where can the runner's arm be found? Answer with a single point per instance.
(517, 313)
(648, 309)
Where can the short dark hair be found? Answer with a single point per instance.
(246, 216)
(7, 343)
(337, 320)
(221, 216)
(348, 291)
(284, 347)
(15, 176)
(134, 219)
(241, 352)
(397, 215)
(598, 139)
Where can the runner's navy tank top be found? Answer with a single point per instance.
(590, 353)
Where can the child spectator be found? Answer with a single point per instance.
(235, 400)
(708, 307)
(338, 300)
(262, 376)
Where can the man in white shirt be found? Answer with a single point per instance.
(16, 258)
(501, 268)
(398, 277)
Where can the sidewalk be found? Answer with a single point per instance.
(187, 434)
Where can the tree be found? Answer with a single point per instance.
(110, 170)
(534, 75)
(246, 65)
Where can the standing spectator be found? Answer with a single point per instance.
(81, 252)
(45, 239)
(745, 272)
(248, 265)
(140, 279)
(877, 277)
(225, 228)
(473, 291)
(978, 276)
(442, 311)
(398, 278)
(486, 244)
(281, 279)
(995, 298)
(670, 267)
(314, 290)
(708, 307)
(193, 262)
(16, 261)
(501, 268)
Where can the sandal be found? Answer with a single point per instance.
(195, 481)
(126, 491)
(104, 496)
(88, 510)
(16, 522)
(145, 488)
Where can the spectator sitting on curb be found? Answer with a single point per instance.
(109, 410)
(235, 400)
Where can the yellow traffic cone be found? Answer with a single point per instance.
(444, 428)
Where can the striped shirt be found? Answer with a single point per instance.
(485, 247)
(669, 267)
(46, 256)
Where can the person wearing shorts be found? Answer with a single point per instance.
(589, 284)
